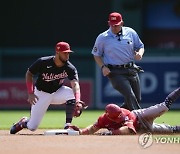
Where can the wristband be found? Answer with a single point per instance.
(102, 67)
(30, 87)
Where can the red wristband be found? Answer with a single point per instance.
(30, 87)
(78, 96)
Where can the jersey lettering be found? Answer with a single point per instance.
(51, 77)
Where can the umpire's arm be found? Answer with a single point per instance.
(105, 70)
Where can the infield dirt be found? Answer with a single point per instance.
(27, 142)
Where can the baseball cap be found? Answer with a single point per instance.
(62, 47)
(115, 18)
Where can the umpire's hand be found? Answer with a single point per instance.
(32, 99)
(106, 71)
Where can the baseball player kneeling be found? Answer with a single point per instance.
(51, 73)
(120, 121)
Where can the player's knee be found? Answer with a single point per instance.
(68, 91)
(32, 129)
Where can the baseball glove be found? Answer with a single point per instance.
(73, 127)
(79, 107)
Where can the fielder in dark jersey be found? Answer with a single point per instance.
(50, 77)
(51, 73)
(121, 121)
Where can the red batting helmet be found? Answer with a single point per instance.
(113, 111)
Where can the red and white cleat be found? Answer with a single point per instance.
(19, 125)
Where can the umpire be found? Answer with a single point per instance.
(115, 51)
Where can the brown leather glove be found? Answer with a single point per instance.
(79, 107)
(73, 127)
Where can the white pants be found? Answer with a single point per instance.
(38, 110)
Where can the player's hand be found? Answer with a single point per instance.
(106, 133)
(32, 99)
(106, 71)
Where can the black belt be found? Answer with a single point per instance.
(121, 66)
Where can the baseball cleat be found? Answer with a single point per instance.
(172, 97)
(176, 129)
(19, 125)
(168, 102)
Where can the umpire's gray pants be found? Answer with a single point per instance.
(126, 81)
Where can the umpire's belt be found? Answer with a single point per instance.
(128, 65)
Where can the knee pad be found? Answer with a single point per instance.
(71, 102)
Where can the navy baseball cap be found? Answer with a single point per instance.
(115, 19)
(63, 47)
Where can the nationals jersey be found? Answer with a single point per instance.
(104, 122)
(50, 77)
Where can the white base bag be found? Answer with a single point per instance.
(61, 132)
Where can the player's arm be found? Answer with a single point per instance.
(85, 131)
(76, 89)
(130, 125)
(80, 105)
(124, 130)
(32, 98)
(130, 122)
(89, 130)
(95, 127)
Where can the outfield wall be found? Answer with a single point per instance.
(13, 94)
(161, 76)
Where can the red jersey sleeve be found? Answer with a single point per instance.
(130, 120)
(129, 115)
(100, 123)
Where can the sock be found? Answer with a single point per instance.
(70, 104)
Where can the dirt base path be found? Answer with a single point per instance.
(27, 142)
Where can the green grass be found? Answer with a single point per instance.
(52, 119)
(56, 119)
(170, 117)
